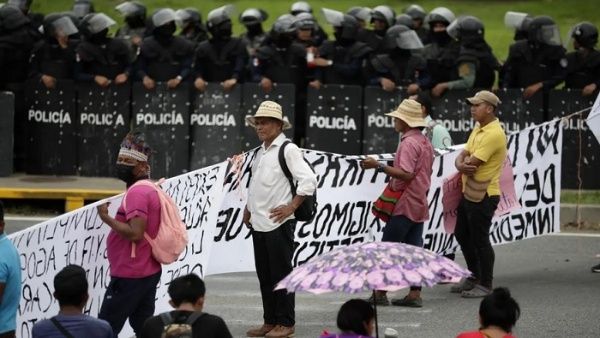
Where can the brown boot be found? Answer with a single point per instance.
(281, 331)
(260, 331)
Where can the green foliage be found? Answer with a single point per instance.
(565, 12)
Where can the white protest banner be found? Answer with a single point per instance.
(79, 237)
(346, 193)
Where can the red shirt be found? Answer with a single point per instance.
(478, 334)
(414, 155)
(142, 201)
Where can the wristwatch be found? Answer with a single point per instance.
(381, 167)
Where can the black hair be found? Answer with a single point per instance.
(499, 309)
(71, 286)
(353, 315)
(425, 100)
(186, 289)
(1, 211)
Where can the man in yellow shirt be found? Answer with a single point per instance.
(481, 164)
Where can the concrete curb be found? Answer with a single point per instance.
(590, 214)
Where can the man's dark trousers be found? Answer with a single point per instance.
(273, 253)
(472, 232)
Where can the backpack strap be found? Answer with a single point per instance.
(156, 186)
(166, 318)
(61, 328)
(194, 317)
(284, 166)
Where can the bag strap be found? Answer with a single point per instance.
(158, 189)
(194, 317)
(61, 328)
(284, 166)
(166, 318)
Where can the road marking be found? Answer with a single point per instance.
(575, 234)
(320, 323)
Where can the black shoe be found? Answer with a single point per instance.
(380, 300)
(596, 268)
(415, 302)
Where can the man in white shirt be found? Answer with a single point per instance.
(270, 214)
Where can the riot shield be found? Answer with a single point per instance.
(215, 125)
(104, 120)
(164, 116)
(453, 112)
(253, 95)
(51, 129)
(334, 119)
(7, 122)
(379, 135)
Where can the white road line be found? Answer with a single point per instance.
(576, 234)
(320, 323)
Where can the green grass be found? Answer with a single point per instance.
(565, 12)
(587, 197)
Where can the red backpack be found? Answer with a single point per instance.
(172, 238)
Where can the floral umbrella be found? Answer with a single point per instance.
(371, 266)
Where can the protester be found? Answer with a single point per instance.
(481, 165)
(10, 282)
(187, 297)
(411, 173)
(356, 319)
(270, 214)
(498, 314)
(437, 134)
(134, 271)
(71, 292)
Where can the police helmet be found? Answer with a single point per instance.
(82, 8)
(360, 13)
(188, 16)
(253, 16)
(385, 14)
(400, 36)
(416, 12)
(219, 16)
(466, 28)
(543, 30)
(56, 24)
(304, 21)
(131, 9)
(94, 23)
(23, 5)
(585, 33)
(405, 20)
(12, 18)
(300, 7)
(440, 14)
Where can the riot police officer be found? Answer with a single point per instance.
(341, 61)
(192, 27)
(163, 56)
(417, 14)
(537, 63)
(35, 19)
(253, 37)
(318, 34)
(399, 66)
(519, 22)
(82, 8)
(53, 58)
(223, 57)
(361, 14)
(382, 18)
(16, 43)
(442, 51)
(476, 64)
(583, 69)
(134, 30)
(102, 59)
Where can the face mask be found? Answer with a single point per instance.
(441, 37)
(125, 174)
(165, 31)
(100, 37)
(223, 31)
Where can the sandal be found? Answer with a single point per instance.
(478, 291)
(466, 284)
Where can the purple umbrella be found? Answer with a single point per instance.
(371, 266)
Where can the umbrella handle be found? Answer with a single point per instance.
(375, 310)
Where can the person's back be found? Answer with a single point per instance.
(479, 334)
(80, 325)
(71, 292)
(205, 326)
(498, 314)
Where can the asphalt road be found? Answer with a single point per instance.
(549, 276)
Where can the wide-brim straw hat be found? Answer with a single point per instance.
(269, 109)
(410, 112)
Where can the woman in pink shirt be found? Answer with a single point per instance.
(411, 174)
(498, 314)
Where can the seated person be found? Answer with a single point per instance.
(187, 297)
(355, 319)
(71, 292)
(498, 314)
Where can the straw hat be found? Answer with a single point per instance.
(410, 112)
(268, 109)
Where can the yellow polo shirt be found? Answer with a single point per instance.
(489, 145)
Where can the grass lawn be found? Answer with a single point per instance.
(587, 197)
(565, 12)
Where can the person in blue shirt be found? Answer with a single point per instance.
(71, 292)
(10, 282)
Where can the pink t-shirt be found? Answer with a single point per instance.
(478, 334)
(142, 201)
(414, 155)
